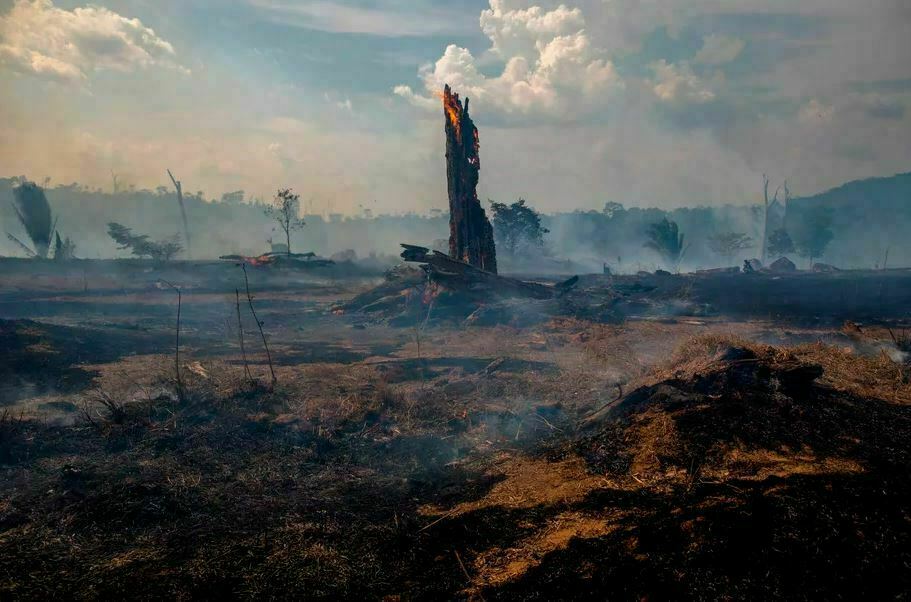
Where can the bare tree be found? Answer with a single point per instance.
(765, 215)
(183, 212)
(240, 333)
(259, 324)
(284, 210)
(787, 198)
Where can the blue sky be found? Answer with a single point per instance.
(646, 102)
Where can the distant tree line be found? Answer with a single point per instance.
(856, 225)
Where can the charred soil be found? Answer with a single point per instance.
(562, 460)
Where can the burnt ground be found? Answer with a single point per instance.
(672, 458)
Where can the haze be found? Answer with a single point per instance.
(647, 103)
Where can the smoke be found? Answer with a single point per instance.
(869, 218)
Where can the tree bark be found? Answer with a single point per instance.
(470, 233)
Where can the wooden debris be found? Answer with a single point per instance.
(454, 274)
(299, 260)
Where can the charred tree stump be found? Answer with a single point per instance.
(470, 232)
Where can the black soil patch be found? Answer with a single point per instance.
(43, 358)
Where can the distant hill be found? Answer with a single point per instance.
(869, 217)
(889, 193)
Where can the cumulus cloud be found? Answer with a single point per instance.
(551, 67)
(676, 83)
(521, 31)
(719, 49)
(38, 38)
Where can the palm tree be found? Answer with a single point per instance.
(34, 214)
(665, 238)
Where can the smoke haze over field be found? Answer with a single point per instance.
(647, 103)
(870, 219)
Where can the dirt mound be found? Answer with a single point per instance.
(736, 471)
(723, 398)
(741, 470)
(783, 264)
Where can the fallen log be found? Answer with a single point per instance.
(459, 275)
(301, 260)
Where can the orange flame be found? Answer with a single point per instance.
(453, 110)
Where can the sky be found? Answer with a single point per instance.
(643, 102)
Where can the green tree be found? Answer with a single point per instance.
(516, 226)
(665, 238)
(612, 208)
(813, 233)
(780, 243)
(34, 214)
(233, 198)
(728, 244)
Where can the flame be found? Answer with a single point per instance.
(259, 260)
(431, 292)
(453, 110)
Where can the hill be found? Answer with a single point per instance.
(870, 217)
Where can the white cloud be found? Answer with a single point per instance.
(551, 67)
(38, 38)
(417, 100)
(676, 83)
(521, 31)
(719, 49)
(343, 104)
(400, 19)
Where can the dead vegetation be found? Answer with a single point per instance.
(550, 447)
(730, 468)
(569, 459)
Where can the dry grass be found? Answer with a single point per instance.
(878, 376)
(463, 472)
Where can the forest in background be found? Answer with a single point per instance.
(868, 220)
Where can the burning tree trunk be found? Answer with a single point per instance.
(470, 232)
